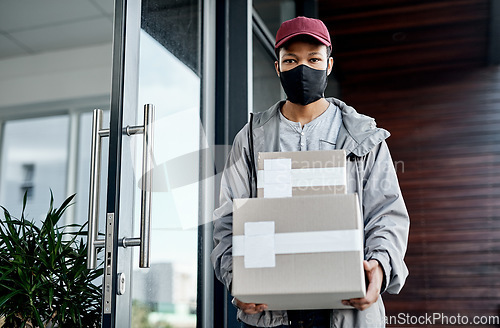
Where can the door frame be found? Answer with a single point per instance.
(233, 103)
(115, 143)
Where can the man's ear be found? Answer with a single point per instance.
(330, 65)
(277, 67)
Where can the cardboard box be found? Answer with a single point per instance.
(298, 252)
(298, 173)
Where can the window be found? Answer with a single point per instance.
(34, 160)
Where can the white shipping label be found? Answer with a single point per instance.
(259, 245)
(277, 164)
(277, 191)
(277, 178)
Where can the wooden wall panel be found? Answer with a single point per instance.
(387, 39)
(406, 15)
(446, 145)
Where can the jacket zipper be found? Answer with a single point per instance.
(253, 173)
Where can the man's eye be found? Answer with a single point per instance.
(288, 61)
(315, 60)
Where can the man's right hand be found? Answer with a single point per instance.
(250, 308)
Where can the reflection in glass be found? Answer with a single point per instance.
(35, 163)
(266, 83)
(273, 13)
(165, 295)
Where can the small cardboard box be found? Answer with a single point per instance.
(298, 252)
(298, 173)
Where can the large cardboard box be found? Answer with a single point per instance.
(298, 173)
(298, 252)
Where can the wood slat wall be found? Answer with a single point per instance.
(446, 140)
(385, 39)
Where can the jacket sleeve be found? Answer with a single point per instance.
(385, 217)
(234, 184)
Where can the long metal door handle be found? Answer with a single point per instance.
(144, 241)
(146, 187)
(95, 173)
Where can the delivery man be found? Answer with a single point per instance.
(305, 121)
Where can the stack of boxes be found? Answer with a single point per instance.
(299, 244)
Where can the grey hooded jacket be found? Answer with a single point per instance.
(370, 173)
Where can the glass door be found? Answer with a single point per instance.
(157, 154)
(169, 77)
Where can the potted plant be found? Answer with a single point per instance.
(44, 280)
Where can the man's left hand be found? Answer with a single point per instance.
(375, 276)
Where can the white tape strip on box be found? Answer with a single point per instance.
(277, 178)
(260, 245)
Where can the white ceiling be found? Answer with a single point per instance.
(36, 26)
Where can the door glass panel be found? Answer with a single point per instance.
(35, 163)
(273, 13)
(266, 83)
(169, 78)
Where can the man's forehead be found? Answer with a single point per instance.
(294, 54)
(296, 48)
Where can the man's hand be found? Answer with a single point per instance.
(251, 308)
(375, 276)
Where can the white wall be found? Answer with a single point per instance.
(56, 76)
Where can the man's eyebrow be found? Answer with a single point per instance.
(290, 54)
(314, 53)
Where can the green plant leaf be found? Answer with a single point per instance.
(64, 205)
(38, 318)
(43, 271)
(25, 201)
(51, 296)
(6, 298)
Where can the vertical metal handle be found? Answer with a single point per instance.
(146, 187)
(95, 174)
(144, 241)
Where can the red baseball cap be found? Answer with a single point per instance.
(302, 26)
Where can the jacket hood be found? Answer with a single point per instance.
(358, 133)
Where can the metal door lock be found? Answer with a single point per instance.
(121, 283)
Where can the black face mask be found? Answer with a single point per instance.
(304, 85)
